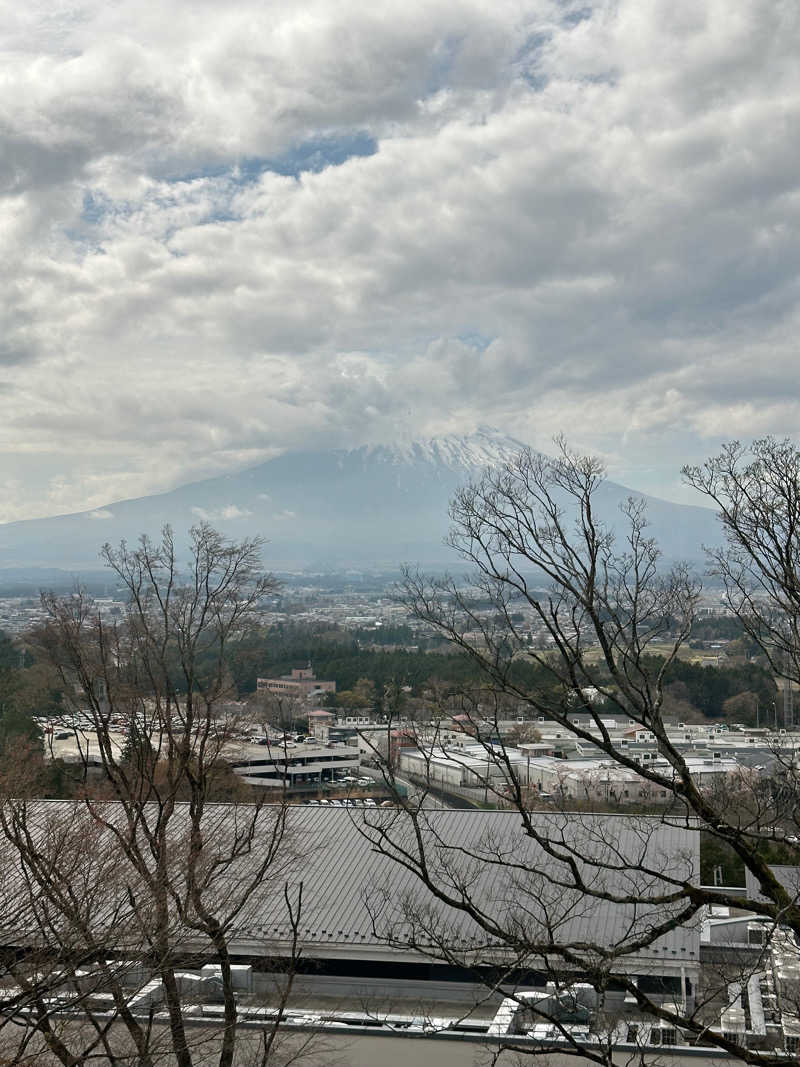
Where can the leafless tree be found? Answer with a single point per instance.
(615, 619)
(284, 712)
(144, 873)
(757, 491)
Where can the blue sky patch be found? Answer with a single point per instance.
(313, 155)
(476, 340)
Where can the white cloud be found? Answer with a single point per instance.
(231, 511)
(101, 513)
(580, 221)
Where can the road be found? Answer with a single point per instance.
(430, 802)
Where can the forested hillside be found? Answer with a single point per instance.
(340, 655)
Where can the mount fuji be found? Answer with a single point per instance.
(370, 507)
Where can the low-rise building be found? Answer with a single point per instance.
(283, 765)
(584, 777)
(301, 683)
(467, 766)
(604, 779)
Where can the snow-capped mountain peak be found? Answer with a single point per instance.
(485, 447)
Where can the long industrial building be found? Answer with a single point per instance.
(375, 941)
(366, 914)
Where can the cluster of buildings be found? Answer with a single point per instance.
(351, 602)
(464, 753)
(456, 763)
(19, 614)
(467, 752)
(351, 605)
(367, 968)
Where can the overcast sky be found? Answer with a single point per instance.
(233, 229)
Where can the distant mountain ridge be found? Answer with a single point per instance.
(373, 506)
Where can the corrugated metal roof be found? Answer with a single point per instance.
(486, 858)
(353, 895)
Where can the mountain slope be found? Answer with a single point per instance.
(372, 506)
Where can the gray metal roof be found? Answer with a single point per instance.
(353, 895)
(485, 857)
